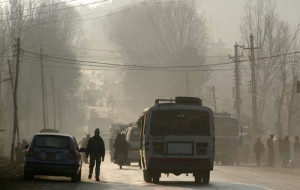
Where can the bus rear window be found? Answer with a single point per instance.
(180, 122)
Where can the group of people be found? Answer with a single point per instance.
(284, 148)
(95, 151)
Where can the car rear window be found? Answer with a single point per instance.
(52, 142)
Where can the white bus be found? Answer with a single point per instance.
(177, 136)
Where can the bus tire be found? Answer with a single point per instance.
(206, 177)
(198, 178)
(147, 176)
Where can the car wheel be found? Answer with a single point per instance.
(79, 176)
(28, 176)
(74, 177)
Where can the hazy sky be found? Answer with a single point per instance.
(224, 16)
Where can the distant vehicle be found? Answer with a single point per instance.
(177, 136)
(227, 136)
(49, 131)
(133, 139)
(53, 154)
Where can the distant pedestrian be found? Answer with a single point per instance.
(238, 150)
(280, 148)
(286, 151)
(296, 148)
(84, 145)
(96, 150)
(18, 153)
(259, 149)
(270, 145)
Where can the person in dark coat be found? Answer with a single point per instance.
(286, 151)
(120, 144)
(270, 145)
(96, 150)
(259, 149)
(296, 148)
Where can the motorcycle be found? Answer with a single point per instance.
(121, 158)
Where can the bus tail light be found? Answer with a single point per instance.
(201, 148)
(158, 148)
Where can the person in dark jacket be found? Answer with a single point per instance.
(259, 149)
(96, 150)
(286, 151)
(270, 145)
(120, 145)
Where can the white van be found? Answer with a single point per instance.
(177, 136)
(133, 139)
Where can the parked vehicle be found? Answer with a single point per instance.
(227, 136)
(133, 140)
(53, 154)
(177, 136)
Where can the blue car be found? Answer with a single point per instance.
(53, 154)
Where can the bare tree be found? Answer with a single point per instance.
(159, 37)
(271, 37)
(45, 24)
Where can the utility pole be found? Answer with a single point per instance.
(253, 84)
(15, 93)
(187, 83)
(54, 103)
(215, 101)
(43, 90)
(237, 81)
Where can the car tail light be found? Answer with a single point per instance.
(158, 148)
(30, 152)
(201, 148)
(72, 154)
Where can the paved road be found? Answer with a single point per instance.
(130, 177)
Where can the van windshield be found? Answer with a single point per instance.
(180, 122)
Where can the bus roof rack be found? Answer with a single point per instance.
(157, 101)
(181, 100)
(188, 100)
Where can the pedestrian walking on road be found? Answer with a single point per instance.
(96, 150)
(286, 151)
(270, 145)
(296, 147)
(259, 149)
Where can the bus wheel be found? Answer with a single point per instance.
(156, 177)
(206, 177)
(147, 176)
(198, 178)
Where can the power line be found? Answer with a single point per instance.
(56, 10)
(105, 65)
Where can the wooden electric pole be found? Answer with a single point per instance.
(54, 103)
(253, 84)
(15, 93)
(237, 82)
(43, 90)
